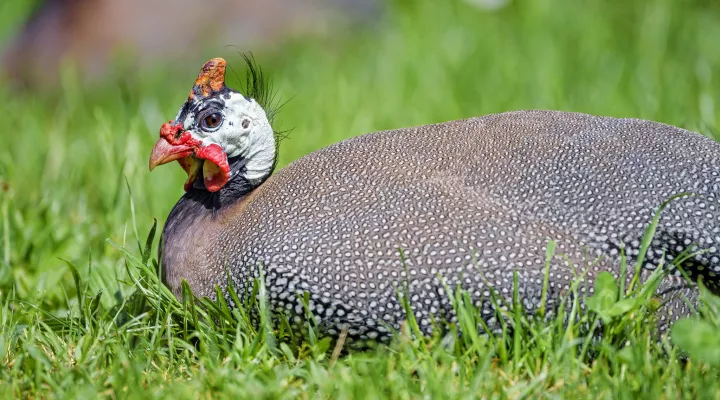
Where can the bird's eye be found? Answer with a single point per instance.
(212, 121)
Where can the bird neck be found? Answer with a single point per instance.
(239, 186)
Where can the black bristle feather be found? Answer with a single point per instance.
(259, 87)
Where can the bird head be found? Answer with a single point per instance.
(214, 125)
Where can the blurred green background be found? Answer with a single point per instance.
(75, 144)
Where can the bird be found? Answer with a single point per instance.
(470, 204)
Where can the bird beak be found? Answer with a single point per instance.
(164, 152)
(177, 144)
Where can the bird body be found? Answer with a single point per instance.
(465, 203)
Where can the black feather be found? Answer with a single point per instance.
(259, 87)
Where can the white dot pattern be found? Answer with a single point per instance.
(468, 202)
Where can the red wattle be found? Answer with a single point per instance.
(217, 175)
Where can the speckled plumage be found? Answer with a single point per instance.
(468, 201)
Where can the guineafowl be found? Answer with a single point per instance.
(464, 204)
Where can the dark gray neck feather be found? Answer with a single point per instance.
(196, 206)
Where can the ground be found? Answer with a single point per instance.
(83, 315)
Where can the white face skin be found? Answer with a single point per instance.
(243, 130)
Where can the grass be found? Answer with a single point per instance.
(83, 315)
